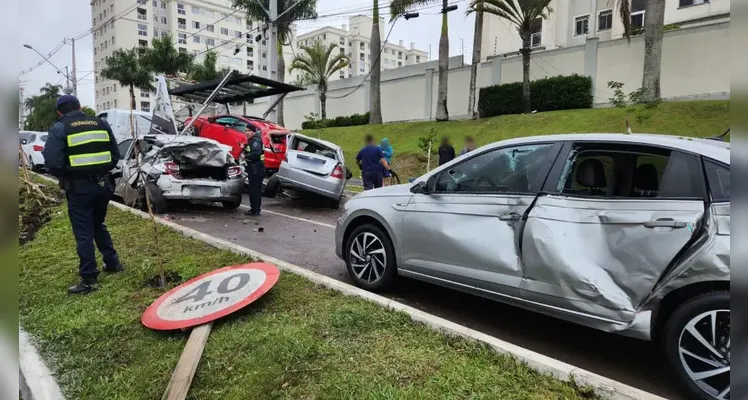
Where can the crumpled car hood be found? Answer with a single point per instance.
(190, 150)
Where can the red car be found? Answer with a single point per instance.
(231, 130)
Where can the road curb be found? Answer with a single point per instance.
(603, 386)
(36, 381)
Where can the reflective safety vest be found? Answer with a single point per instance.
(88, 148)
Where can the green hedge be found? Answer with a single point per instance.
(351, 120)
(548, 94)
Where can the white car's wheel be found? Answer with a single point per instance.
(697, 344)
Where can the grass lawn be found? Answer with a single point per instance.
(299, 341)
(695, 118)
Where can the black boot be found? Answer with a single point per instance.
(113, 270)
(84, 287)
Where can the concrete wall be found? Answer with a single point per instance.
(695, 64)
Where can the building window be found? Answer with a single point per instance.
(637, 13)
(163, 20)
(142, 15)
(180, 9)
(143, 43)
(164, 33)
(536, 37)
(112, 40)
(342, 50)
(418, 59)
(196, 39)
(196, 24)
(145, 94)
(224, 31)
(605, 20)
(142, 30)
(362, 57)
(183, 50)
(142, 2)
(686, 3)
(209, 14)
(264, 67)
(211, 28)
(264, 55)
(115, 103)
(250, 65)
(399, 55)
(210, 42)
(362, 46)
(155, 3)
(250, 52)
(155, 32)
(145, 106)
(114, 88)
(195, 10)
(238, 21)
(581, 25)
(237, 34)
(399, 63)
(181, 23)
(342, 74)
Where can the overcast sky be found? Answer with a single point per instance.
(44, 24)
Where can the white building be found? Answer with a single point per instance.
(195, 25)
(573, 21)
(355, 42)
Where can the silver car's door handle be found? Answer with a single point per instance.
(512, 216)
(665, 223)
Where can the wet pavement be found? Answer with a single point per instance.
(302, 232)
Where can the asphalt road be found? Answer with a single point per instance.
(302, 233)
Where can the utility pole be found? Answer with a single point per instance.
(74, 76)
(20, 106)
(272, 53)
(67, 88)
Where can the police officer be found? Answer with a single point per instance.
(254, 155)
(81, 151)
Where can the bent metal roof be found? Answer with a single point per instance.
(238, 88)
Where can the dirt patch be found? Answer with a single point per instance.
(169, 276)
(35, 206)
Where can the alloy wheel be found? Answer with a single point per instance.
(704, 350)
(368, 257)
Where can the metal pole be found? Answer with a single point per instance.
(67, 81)
(273, 49)
(74, 76)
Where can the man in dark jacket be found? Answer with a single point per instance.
(373, 163)
(446, 151)
(81, 151)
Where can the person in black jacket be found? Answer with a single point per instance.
(446, 151)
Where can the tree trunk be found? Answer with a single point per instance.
(441, 98)
(132, 97)
(526, 104)
(375, 98)
(281, 78)
(477, 42)
(654, 21)
(323, 101)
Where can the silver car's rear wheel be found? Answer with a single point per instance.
(704, 350)
(697, 344)
(370, 257)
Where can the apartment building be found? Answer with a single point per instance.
(195, 26)
(354, 40)
(573, 21)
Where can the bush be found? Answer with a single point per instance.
(548, 94)
(351, 120)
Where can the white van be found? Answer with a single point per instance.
(119, 120)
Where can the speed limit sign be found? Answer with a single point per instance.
(210, 296)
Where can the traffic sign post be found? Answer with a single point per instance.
(200, 301)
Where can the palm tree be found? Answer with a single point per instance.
(126, 67)
(290, 11)
(319, 63)
(50, 90)
(399, 8)
(162, 57)
(302, 80)
(375, 82)
(477, 43)
(654, 27)
(207, 70)
(524, 14)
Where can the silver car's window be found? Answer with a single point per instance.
(124, 147)
(507, 170)
(611, 170)
(719, 181)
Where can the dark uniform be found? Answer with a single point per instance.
(254, 155)
(81, 151)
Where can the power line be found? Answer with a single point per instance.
(44, 59)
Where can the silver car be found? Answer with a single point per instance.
(629, 234)
(179, 168)
(312, 166)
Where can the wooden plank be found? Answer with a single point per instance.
(181, 379)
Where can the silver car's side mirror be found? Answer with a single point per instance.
(426, 187)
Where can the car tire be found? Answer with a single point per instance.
(335, 204)
(271, 188)
(695, 315)
(233, 204)
(362, 276)
(158, 202)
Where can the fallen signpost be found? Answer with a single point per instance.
(200, 301)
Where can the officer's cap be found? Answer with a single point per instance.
(68, 99)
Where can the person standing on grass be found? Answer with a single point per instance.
(469, 145)
(81, 151)
(446, 151)
(387, 150)
(373, 163)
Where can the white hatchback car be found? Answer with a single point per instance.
(32, 149)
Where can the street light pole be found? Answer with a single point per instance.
(273, 49)
(73, 77)
(59, 71)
